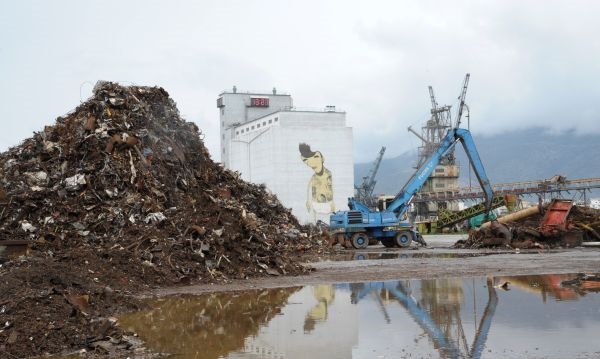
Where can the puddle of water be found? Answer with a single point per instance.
(530, 317)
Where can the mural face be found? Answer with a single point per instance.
(319, 193)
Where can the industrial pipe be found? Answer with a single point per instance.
(524, 213)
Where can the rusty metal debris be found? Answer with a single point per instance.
(560, 224)
(132, 174)
(119, 195)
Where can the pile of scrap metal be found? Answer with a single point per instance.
(558, 224)
(125, 173)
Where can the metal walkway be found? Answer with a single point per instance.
(517, 188)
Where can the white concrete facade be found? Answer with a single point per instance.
(267, 150)
(235, 108)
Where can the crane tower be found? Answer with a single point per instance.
(364, 192)
(445, 176)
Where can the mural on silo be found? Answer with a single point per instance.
(319, 192)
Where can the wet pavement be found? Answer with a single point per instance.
(533, 316)
(395, 254)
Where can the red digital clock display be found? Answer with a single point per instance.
(259, 102)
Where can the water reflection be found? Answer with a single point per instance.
(207, 326)
(528, 316)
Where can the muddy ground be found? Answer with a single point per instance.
(436, 261)
(86, 324)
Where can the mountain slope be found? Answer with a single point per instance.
(509, 157)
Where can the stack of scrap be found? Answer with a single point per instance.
(124, 174)
(118, 196)
(588, 220)
(557, 225)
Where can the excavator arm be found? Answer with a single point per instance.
(402, 201)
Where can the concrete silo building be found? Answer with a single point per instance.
(304, 156)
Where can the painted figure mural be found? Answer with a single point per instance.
(319, 193)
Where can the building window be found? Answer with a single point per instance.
(276, 119)
(264, 123)
(258, 125)
(270, 121)
(242, 130)
(439, 185)
(252, 127)
(238, 132)
(439, 170)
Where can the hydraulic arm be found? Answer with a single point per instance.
(361, 224)
(402, 201)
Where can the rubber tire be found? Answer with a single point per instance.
(388, 242)
(403, 239)
(360, 240)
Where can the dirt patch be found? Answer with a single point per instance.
(443, 263)
(116, 197)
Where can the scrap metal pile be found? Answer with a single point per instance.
(115, 197)
(558, 224)
(124, 173)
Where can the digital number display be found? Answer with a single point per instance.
(259, 102)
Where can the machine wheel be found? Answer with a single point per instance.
(360, 240)
(388, 242)
(403, 239)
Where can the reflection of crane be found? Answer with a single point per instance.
(423, 318)
(364, 192)
(485, 323)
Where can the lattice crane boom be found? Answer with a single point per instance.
(461, 98)
(365, 190)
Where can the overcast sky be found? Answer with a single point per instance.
(532, 63)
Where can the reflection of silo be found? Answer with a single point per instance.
(324, 294)
(334, 334)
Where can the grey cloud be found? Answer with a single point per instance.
(531, 64)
